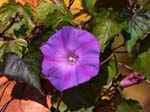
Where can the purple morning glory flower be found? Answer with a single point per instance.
(132, 79)
(70, 57)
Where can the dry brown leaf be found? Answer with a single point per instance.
(18, 97)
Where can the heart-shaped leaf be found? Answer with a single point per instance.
(26, 69)
(138, 26)
(106, 27)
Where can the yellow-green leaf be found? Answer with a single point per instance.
(15, 46)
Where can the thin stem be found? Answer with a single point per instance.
(148, 81)
(33, 33)
(10, 25)
(12, 20)
(116, 64)
(59, 101)
(5, 37)
(118, 46)
(120, 51)
(125, 66)
(82, 11)
(107, 59)
(70, 3)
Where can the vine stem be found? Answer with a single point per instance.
(111, 55)
(107, 59)
(12, 21)
(59, 101)
(126, 66)
(70, 3)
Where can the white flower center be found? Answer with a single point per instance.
(73, 59)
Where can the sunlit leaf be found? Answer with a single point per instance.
(106, 27)
(28, 16)
(79, 16)
(138, 26)
(7, 11)
(129, 106)
(24, 26)
(26, 69)
(142, 64)
(2, 2)
(53, 14)
(15, 46)
(31, 3)
(88, 4)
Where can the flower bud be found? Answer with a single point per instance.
(132, 79)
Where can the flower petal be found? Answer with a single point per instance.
(51, 51)
(70, 79)
(55, 46)
(90, 49)
(63, 78)
(75, 38)
(68, 42)
(86, 72)
(51, 65)
(56, 72)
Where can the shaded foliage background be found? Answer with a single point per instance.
(121, 26)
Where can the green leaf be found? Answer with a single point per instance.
(145, 3)
(106, 27)
(43, 10)
(26, 25)
(15, 46)
(142, 64)
(53, 14)
(26, 69)
(129, 106)
(112, 70)
(141, 2)
(7, 11)
(77, 98)
(25, 13)
(27, 21)
(88, 4)
(138, 26)
(147, 6)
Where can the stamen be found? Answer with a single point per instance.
(73, 59)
